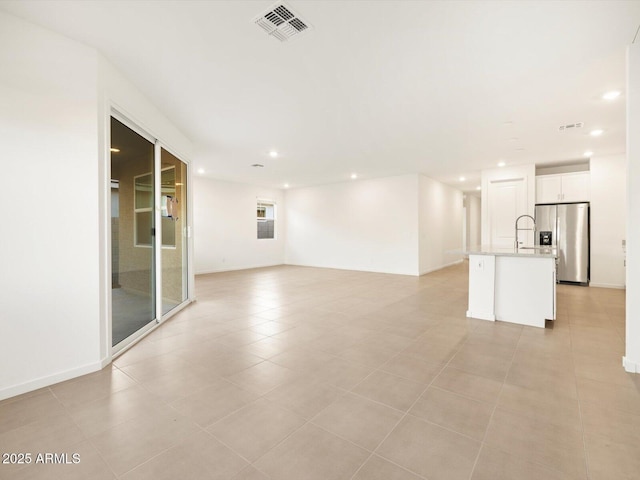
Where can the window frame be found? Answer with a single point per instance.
(136, 211)
(263, 202)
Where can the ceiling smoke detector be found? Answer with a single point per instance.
(281, 22)
(570, 126)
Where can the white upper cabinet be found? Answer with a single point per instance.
(548, 189)
(562, 188)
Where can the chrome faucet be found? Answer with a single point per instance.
(518, 229)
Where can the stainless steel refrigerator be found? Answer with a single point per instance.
(566, 227)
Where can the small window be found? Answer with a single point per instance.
(266, 215)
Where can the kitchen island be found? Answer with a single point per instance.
(512, 285)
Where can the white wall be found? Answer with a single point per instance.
(473, 213)
(474, 226)
(608, 220)
(119, 93)
(225, 228)
(632, 354)
(368, 225)
(50, 327)
(440, 222)
(528, 173)
(56, 96)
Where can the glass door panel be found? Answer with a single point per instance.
(173, 208)
(132, 232)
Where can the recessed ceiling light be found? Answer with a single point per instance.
(478, 187)
(201, 170)
(354, 176)
(596, 133)
(462, 179)
(115, 150)
(273, 154)
(501, 164)
(286, 185)
(612, 95)
(588, 153)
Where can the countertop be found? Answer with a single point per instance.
(534, 252)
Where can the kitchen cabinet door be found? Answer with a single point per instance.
(549, 189)
(575, 187)
(562, 188)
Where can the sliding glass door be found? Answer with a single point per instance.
(148, 214)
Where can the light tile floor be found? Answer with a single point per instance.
(304, 373)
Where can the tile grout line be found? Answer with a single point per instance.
(169, 448)
(495, 407)
(90, 438)
(307, 422)
(87, 438)
(535, 462)
(158, 400)
(575, 376)
(407, 412)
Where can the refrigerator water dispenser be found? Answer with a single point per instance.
(546, 238)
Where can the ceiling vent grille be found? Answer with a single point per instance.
(570, 126)
(281, 22)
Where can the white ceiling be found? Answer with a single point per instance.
(377, 87)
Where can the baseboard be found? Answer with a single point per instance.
(104, 362)
(481, 316)
(607, 285)
(41, 382)
(457, 262)
(630, 366)
(234, 269)
(351, 269)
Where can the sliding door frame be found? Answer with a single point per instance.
(188, 236)
(134, 338)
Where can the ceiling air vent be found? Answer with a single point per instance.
(570, 126)
(281, 22)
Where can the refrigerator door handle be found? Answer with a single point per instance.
(558, 251)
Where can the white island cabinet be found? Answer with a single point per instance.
(510, 285)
